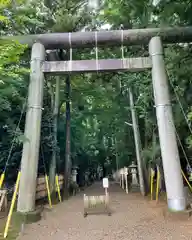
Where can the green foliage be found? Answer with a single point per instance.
(99, 102)
(10, 61)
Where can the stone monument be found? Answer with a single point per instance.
(133, 169)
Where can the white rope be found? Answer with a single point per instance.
(179, 140)
(185, 116)
(177, 135)
(180, 104)
(70, 53)
(36, 107)
(122, 47)
(96, 53)
(15, 134)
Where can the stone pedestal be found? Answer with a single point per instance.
(134, 177)
(133, 169)
(74, 176)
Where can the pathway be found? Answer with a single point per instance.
(133, 218)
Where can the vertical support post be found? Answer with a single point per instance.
(30, 155)
(116, 155)
(55, 98)
(67, 173)
(52, 169)
(169, 150)
(137, 143)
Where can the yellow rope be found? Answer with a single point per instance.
(2, 179)
(152, 179)
(48, 190)
(58, 187)
(157, 186)
(12, 205)
(186, 180)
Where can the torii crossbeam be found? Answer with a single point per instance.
(87, 39)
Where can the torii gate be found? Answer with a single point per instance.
(155, 61)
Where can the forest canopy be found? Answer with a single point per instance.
(99, 102)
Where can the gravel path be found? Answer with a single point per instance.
(133, 218)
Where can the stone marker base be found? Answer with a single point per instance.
(156, 204)
(134, 187)
(183, 215)
(27, 218)
(54, 198)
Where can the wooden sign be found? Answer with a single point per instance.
(126, 171)
(105, 183)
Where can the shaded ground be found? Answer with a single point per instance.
(133, 218)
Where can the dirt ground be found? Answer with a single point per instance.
(133, 218)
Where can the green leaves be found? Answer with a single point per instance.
(10, 53)
(99, 102)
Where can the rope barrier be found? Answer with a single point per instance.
(180, 104)
(12, 145)
(151, 182)
(58, 187)
(46, 179)
(185, 155)
(185, 116)
(190, 187)
(158, 184)
(12, 205)
(151, 176)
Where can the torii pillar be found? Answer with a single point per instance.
(30, 155)
(169, 149)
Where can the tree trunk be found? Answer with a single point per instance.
(53, 163)
(137, 144)
(67, 143)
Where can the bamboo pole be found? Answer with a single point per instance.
(137, 143)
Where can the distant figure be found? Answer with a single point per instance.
(104, 172)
